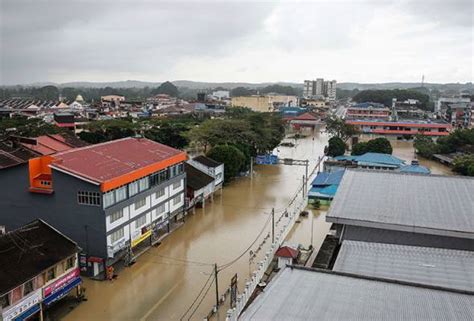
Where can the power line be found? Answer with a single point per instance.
(197, 297)
(202, 298)
(180, 260)
(226, 265)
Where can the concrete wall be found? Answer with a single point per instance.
(365, 234)
(83, 223)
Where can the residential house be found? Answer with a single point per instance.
(210, 167)
(324, 187)
(199, 186)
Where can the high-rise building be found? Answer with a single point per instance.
(320, 89)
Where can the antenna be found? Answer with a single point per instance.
(422, 81)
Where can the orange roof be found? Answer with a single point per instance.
(287, 251)
(305, 116)
(117, 162)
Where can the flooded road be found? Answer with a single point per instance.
(165, 281)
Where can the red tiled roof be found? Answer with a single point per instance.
(114, 159)
(50, 144)
(286, 251)
(305, 116)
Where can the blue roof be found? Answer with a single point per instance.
(327, 178)
(415, 169)
(346, 158)
(369, 104)
(326, 192)
(380, 159)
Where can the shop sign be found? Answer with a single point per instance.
(141, 238)
(22, 306)
(62, 282)
(83, 262)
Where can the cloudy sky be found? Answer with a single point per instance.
(351, 40)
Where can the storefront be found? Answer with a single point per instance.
(61, 287)
(27, 309)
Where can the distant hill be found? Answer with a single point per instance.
(230, 85)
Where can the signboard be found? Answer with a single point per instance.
(233, 291)
(267, 159)
(32, 300)
(62, 282)
(288, 161)
(83, 262)
(141, 238)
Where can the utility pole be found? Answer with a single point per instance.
(251, 167)
(304, 186)
(273, 225)
(217, 286)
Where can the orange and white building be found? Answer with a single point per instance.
(401, 127)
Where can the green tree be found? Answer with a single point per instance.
(336, 147)
(379, 145)
(359, 149)
(169, 133)
(464, 165)
(425, 146)
(385, 97)
(232, 158)
(242, 91)
(336, 127)
(23, 126)
(166, 88)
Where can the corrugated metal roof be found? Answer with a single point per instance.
(415, 169)
(300, 295)
(430, 204)
(328, 178)
(433, 266)
(379, 158)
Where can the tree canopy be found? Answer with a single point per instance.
(377, 145)
(23, 126)
(461, 140)
(336, 127)
(232, 158)
(336, 147)
(385, 97)
(166, 88)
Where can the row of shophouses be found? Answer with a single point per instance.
(112, 200)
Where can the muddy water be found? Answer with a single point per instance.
(165, 280)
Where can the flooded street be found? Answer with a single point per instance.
(164, 282)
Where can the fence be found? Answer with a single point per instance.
(293, 210)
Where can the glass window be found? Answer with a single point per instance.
(109, 199)
(140, 203)
(160, 193)
(140, 221)
(50, 274)
(143, 184)
(5, 300)
(177, 185)
(177, 199)
(28, 287)
(117, 235)
(133, 188)
(161, 209)
(71, 262)
(116, 216)
(120, 194)
(88, 198)
(158, 178)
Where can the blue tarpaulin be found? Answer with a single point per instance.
(267, 159)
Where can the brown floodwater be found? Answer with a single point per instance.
(164, 282)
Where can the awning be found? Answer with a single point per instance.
(63, 292)
(28, 313)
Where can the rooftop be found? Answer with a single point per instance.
(415, 169)
(30, 250)
(195, 178)
(432, 266)
(209, 162)
(302, 294)
(110, 160)
(328, 178)
(429, 204)
(402, 121)
(286, 251)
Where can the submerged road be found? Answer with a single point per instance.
(165, 281)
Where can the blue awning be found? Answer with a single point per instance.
(28, 313)
(63, 292)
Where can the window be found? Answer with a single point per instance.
(109, 199)
(50, 274)
(116, 216)
(120, 194)
(160, 193)
(177, 185)
(70, 262)
(176, 170)
(117, 235)
(5, 300)
(177, 199)
(143, 184)
(28, 287)
(140, 221)
(88, 198)
(161, 209)
(133, 188)
(159, 177)
(140, 203)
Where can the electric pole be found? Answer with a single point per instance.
(217, 286)
(273, 225)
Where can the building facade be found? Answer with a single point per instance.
(38, 267)
(111, 198)
(264, 103)
(401, 127)
(319, 89)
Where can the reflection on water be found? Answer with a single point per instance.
(165, 281)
